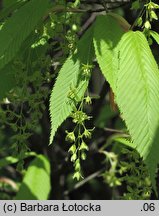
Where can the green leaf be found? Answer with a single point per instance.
(18, 27)
(104, 117)
(107, 34)
(155, 36)
(70, 76)
(9, 6)
(36, 182)
(7, 80)
(11, 160)
(137, 94)
(124, 141)
(152, 159)
(135, 5)
(121, 21)
(8, 3)
(129, 67)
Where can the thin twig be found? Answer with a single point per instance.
(81, 183)
(140, 14)
(88, 22)
(8, 181)
(113, 130)
(60, 9)
(106, 1)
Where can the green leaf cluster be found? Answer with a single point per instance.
(14, 32)
(128, 65)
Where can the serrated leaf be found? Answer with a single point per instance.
(36, 182)
(70, 76)
(107, 34)
(132, 72)
(124, 141)
(137, 94)
(18, 27)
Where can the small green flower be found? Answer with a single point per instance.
(88, 100)
(86, 70)
(139, 21)
(153, 15)
(83, 146)
(77, 165)
(152, 5)
(73, 94)
(79, 117)
(83, 156)
(87, 133)
(147, 25)
(70, 136)
(72, 149)
(77, 176)
(73, 157)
